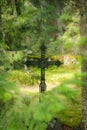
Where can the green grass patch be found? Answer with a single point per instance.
(23, 77)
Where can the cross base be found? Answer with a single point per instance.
(42, 86)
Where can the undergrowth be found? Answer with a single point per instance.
(35, 112)
(7, 89)
(22, 77)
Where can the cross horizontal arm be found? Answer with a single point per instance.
(57, 63)
(42, 63)
(31, 63)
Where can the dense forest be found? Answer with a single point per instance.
(61, 26)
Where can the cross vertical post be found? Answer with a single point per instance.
(42, 86)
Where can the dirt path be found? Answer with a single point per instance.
(34, 89)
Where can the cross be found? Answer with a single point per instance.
(42, 63)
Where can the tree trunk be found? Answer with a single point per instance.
(0, 20)
(83, 49)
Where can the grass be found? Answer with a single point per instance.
(22, 77)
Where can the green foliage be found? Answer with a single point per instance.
(71, 116)
(70, 93)
(34, 23)
(29, 77)
(83, 41)
(25, 25)
(70, 24)
(36, 111)
(37, 21)
(8, 92)
(66, 18)
(7, 89)
(33, 114)
(16, 59)
(11, 59)
(63, 102)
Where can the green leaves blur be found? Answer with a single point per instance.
(70, 37)
(7, 89)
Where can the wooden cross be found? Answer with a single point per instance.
(42, 63)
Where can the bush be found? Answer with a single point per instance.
(35, 112)
(24, 77)
(8, 91)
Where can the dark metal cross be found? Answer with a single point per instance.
(42, 63)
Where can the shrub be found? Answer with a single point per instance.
(30, 113)
(24, 77)
(8, 91)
